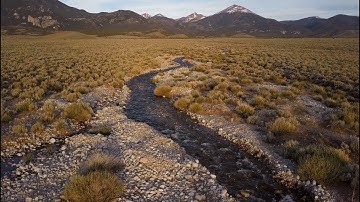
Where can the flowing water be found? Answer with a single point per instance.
(234, 169)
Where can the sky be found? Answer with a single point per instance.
(275, 9)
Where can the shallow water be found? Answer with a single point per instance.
(234, 169)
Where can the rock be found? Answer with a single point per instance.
(28, 199)
(287, 198)
(307, 183)
(188, 177)
(244, 194)
(200, 197)
(52, 141)
(195, 165)
(213, 176)
(314, 182)
(35, 169)
(144, 160)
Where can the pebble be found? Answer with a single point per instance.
(200, 197)
(52, 141)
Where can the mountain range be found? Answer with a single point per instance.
(44, 16)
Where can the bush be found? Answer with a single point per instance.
(284, 126)
(19, 129)
(163, 91)
(195, 107)
(291, 149)
(37, 127)
(104, 130)
(96, 186)
(182, 104)
(60, 126)
(259, 102)
(26, 105)
(245, 110)
(79, 111)
(48, 114)
(101, 162)
(326, 165)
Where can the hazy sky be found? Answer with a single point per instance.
(276, 9)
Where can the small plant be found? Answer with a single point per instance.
(284, 126)
(48, 113)
(26, 105)
(95, 186)
(291, 149)
(78, 111)
(252, 119)
(101, 162)
(38, 127)
(27, 158)
(245, 110)
(325, 165)
(195, 107)
(259, 102)
(163, 91)
(182, 104)
(60, 126)
(104, 130)
(19, 129)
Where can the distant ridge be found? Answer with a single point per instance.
(46, 16)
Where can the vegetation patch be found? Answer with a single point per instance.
(325, 165)
(101, 162)
(284, 126)
(95, 186)
(78, 111)
(163, 91)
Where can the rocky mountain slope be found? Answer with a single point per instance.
(52, 15)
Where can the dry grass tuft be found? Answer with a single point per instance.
(101, 162)
(284, 126)
(96, 186)
(163, 91)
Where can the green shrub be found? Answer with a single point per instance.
(291, 149)
(101, 162)
(163, 91)
(78, 111)
(96, 186)
(284, 126)
(245, 110)
(326, 165)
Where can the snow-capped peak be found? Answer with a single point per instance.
(146, 15)
(235, 9)
(159, 15)
(192, 17)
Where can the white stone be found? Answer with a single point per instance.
(52, 141)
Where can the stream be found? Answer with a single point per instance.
(234, 169)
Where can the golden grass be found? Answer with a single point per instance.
(96, 186)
